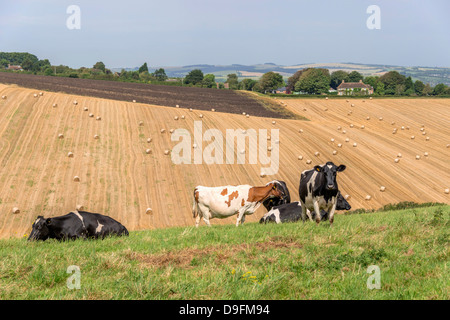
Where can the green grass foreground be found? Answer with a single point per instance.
(289, 261)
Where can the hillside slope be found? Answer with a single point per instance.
(118, 177)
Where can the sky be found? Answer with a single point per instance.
(188, 32)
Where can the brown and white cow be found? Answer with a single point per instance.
(225, 201)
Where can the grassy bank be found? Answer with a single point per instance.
(290, 261)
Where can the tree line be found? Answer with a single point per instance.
(315, 81)
(319, 81)
(31, 64)
(310, 81)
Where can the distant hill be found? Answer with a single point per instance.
(431, 75)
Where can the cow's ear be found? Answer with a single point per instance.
(48, 221)
(341, 168)
(318, 168)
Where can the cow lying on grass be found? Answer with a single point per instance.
(223, 202)
(292, 212)
(77, 224)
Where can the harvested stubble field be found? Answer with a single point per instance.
(119, 178)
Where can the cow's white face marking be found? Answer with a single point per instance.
(37, 220)
(99, 227)
(329, 166)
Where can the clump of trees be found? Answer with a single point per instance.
(269, 82)
(28, 62)
(319, 81)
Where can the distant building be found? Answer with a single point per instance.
(331, 90)
(281, 90)
(350, 88)
(13, 67)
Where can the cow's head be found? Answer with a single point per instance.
(275, 190)
(330, 170)
(342, 204)
(271, 202)
(41, 229)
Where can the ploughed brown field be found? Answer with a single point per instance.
(162, 95)
(117, 177)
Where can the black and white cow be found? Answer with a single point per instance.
(291, 212)
(76, 224)
(269, 203)
(319, 189)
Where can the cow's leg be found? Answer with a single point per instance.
(317, 211)
(203, 212)
(240, 217)
(199, 216)
(197, 220)
(207, 216)
(331, 214)
(206, 219)
(303, 214)
(308, 213)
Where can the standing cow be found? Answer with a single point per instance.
(223, 202)
(269, 203)
(319, 189)
(76, 224)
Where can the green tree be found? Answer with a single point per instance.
(337, 77)
(418, 87)
(145, 76)
(124, 74)
(372, 81)
(40, 65)
(209, 81)
(314, 81)
(292, 80)
(4, 63)
(439, 89)
(270, 81)
(380, 89)
(247, 84)
(17, 58)
(143, 68)
(27, 64)
(194, 77)
(391, 80)
(400, 89)
(427, 90)
(100, 66)
(354, 76)
(48, 72)
(409, 84)
(160, 75)
(233, 82)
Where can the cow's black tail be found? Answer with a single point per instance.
(195, 205)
